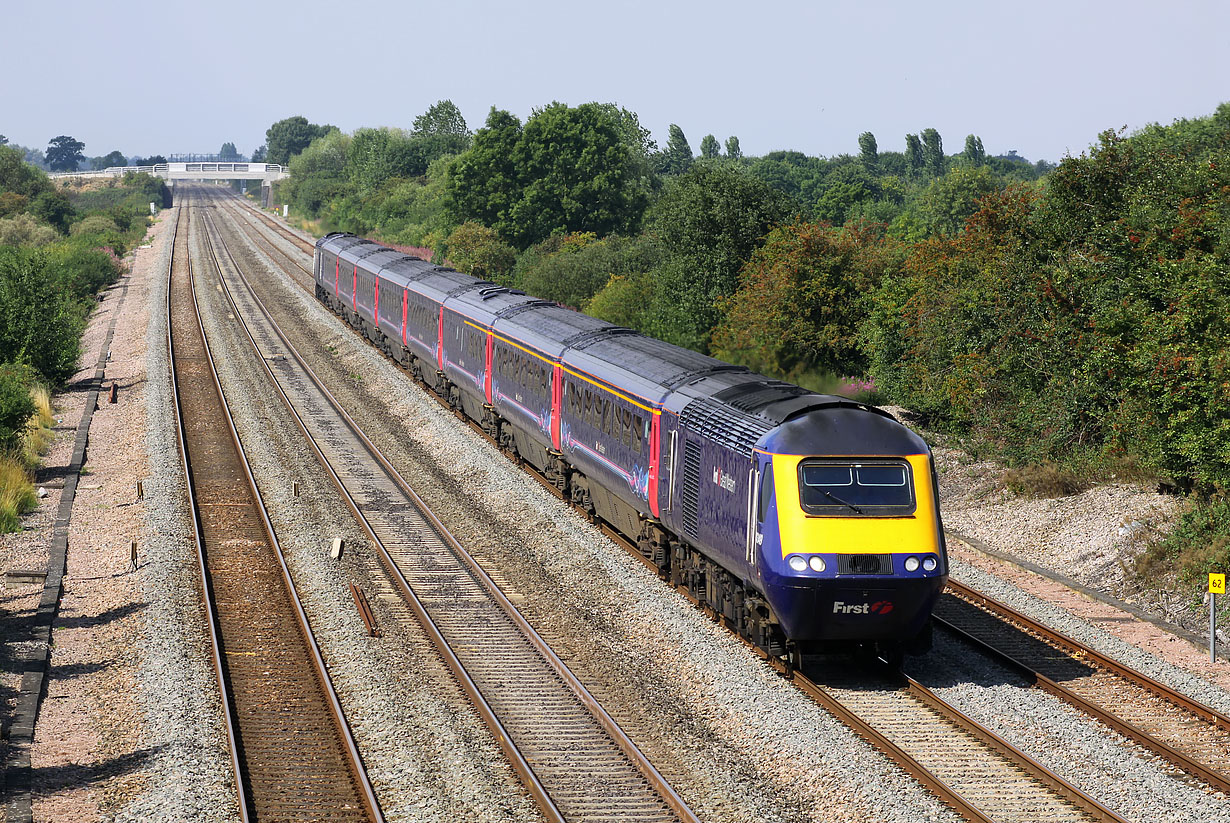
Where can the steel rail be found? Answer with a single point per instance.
(609, 725)
(1078, 650)
(1095, 810)
(1075, 647)
(210, 607)
(355, 761)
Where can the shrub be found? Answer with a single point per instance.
(24, 230)
(94, 224)
(40, 319)
(16, 406)
(1044, 479)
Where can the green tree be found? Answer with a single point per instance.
(479, 251)
(868, 150)
(933, 152)
(289, 137)
(440, 131)
(914, 154)
(114, 159)
(677, 157)
(576, 267)
(64, 153)
(485, 181)
(260, 154)
(803, 299)
(974, 154)
(709, 220)
(732, 148)
(578, 176)
(710, 148)
(950, 200)
(18, 176)
(54, 208)
(318, 175)
(376, 156)
(626, 300)
(3, 140)
(40, 323)
(228, 153)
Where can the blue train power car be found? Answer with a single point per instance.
(810, 523)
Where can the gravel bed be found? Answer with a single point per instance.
(738, 742)
(1063, 621)
(428, 754)
(1122, 776)
(130, 724)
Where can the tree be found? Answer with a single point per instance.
(53, 207)
(677, 157)
(709, 147)
(974, 153)
(289, 137)
(567, 170)
(868, 149)
(578, 174)
(732, 148)
(18, 176)
(229, 153)
(950, 200)
(378, 155)
(439, 131)
(803, 299)
(3, 140)
(709, 220)
(152, 160)
(114, 159)
(259, 155)
(64, 153)
(484, 182)
(933, 152)
(443, 119)
(478, 251)
(914, 154)
(40, 320)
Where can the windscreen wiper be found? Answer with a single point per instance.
(837, 499)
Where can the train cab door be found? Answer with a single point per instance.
(760, 501)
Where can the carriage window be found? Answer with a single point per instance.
(638, 427)
(846, 488)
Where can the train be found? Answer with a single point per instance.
(809, 523)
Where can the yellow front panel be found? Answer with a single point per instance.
(802, 532)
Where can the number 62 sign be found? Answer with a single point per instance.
(1217, 584)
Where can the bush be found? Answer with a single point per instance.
(94, 224)
(1199, 544)
(24, 230)
(572, 269)
(16, 406)
(40, 318)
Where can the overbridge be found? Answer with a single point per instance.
(265, 172)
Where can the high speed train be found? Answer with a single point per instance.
(810, 523)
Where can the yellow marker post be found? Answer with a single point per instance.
(1217, 585)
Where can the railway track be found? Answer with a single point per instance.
(574, 759)
(1188, 734)
(292, 751)
(973, 770)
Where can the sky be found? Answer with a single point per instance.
(1042, 77)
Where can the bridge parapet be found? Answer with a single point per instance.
(267, 172)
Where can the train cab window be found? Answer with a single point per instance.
(845, 488)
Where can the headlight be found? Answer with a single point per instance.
(929, 563)
(797, 563)
(816, 563)
(911, 564)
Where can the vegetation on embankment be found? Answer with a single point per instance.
(59, 246)
(1070, 320)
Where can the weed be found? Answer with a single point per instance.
(16, 493)
(1197, 545)
(1044, 479)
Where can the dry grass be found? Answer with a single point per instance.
(1044, 480)
(39, 435)
(16, 493)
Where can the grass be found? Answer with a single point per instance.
(17, 494)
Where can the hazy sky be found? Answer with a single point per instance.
(1042, 77)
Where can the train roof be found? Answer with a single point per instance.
(485, 302)
(549, 327)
